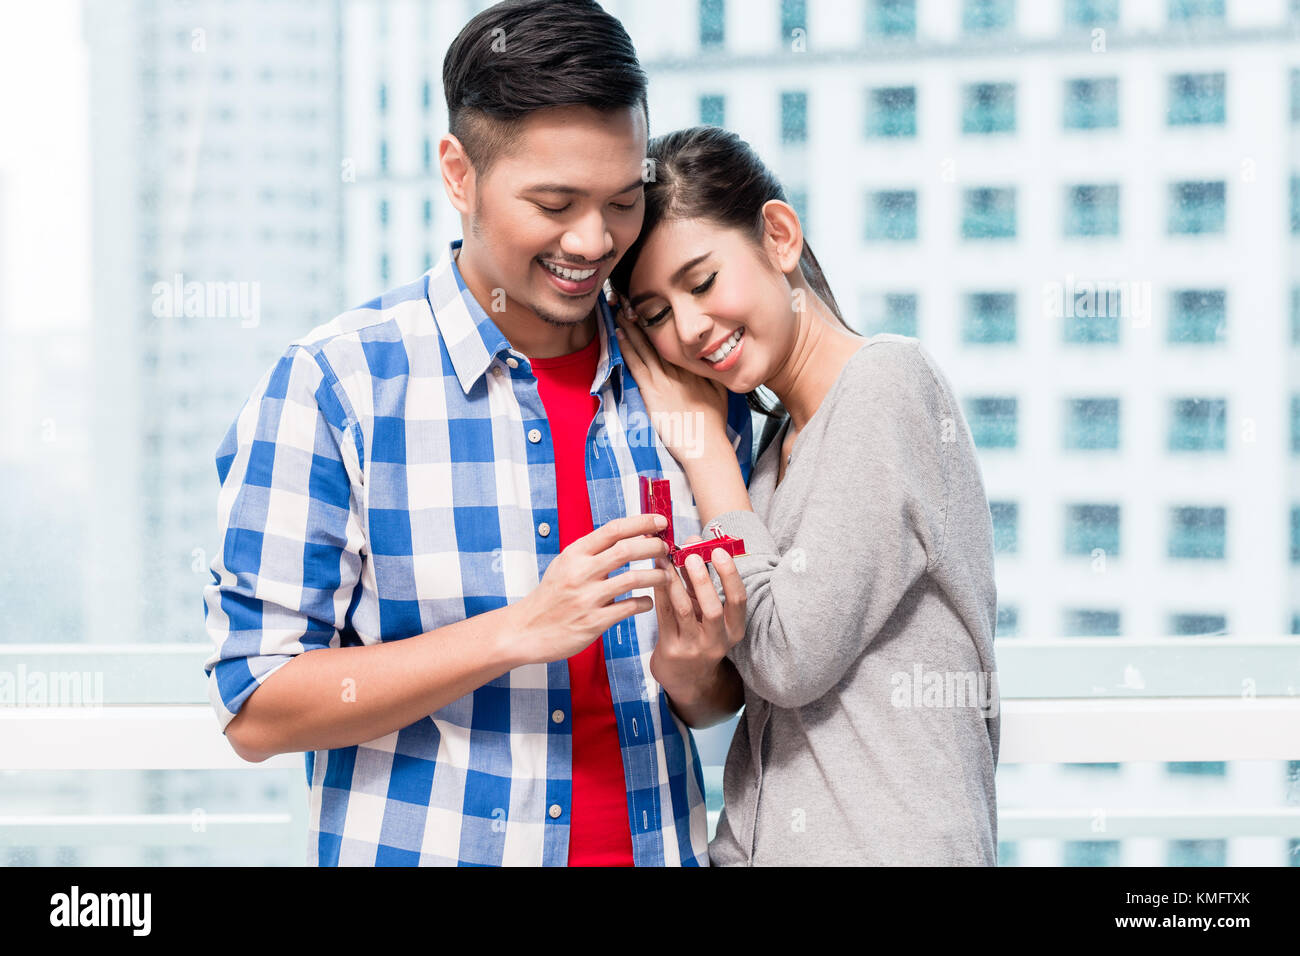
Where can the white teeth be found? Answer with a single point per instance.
(725, 349)
(573, 275)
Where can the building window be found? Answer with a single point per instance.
(1197, 208)
(1091, 623)
(383, 155)
(1295, 96)
(1198, 424)
(1197, 532)
(891, 215)
(989, 108)
(1089, 527)
(1091, 853)
(383, 268)
(987, 16)
(798, 199)
(383, 97)
(428, 212)
(1092, 13)
(1198, 852)
(383, 213)
(1006, 521)
(713, 23)
(1092, 104)
(428, 155)
(1195, 625)
(1196, 11)
(794, 118)
(1199, 768)
(1295, 205)
(989, 214)
(794, 16)
(1295, 424)
(1092, 424)
(992, 422)
(891, 19)
(426, 95)
(1295, 534)
(1008, 623)
(713, 110)
(990, 318)
(1198, 316)
(891, 111)
(1197, 99)
(1092, 210)
(1092, 329)
(893, 312)
(1295, 315)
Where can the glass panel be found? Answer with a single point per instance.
(1092, 104)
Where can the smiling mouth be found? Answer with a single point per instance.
(570, 275)
(725, 349)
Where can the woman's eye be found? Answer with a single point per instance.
(704, 286)
(654, 319)
(623, 207)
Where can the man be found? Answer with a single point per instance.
(431, 493)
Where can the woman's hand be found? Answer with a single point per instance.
(695, 628)
(688, 411)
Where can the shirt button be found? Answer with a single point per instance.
(534, 435)
(557, 716)
(512, 362)
(544, 529)
(555, 811)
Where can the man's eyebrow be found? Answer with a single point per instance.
(575, 191)
(675, 278)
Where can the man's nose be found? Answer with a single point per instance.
(588, 239)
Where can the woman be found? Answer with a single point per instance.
(870, 730)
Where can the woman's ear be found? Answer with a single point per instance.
(782, 235)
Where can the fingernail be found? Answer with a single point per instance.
(661, 521)
(721, 557)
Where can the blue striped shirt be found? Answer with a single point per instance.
(393, 473)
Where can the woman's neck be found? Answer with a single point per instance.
(822, 347)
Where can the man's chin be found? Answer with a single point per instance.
(575, 315)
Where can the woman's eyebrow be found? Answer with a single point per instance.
(575, 191)
(673, 280)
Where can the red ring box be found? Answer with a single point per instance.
(657, 498)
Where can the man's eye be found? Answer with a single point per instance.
(704, 286)
(550, 210)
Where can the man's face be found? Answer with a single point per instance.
(554, 215)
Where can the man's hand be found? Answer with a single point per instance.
(574, 603)
(695, 632)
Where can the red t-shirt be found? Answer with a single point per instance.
(598, 828)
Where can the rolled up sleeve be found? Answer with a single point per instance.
(291, 528)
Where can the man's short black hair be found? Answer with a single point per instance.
(520, 56)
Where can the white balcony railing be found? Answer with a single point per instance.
(1098, 700)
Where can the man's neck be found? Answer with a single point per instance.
(527, 333)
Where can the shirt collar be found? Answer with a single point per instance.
(474, 342)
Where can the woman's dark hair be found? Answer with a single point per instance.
(520, 56)
(710, 173)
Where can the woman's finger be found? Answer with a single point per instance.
(646, 352)
(678, 599)
(705, 596)
(628, 347)
(733, 589)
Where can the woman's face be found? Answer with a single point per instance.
(696, 286)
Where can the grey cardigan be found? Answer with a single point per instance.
(870, 728)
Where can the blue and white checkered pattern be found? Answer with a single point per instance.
(384, 479)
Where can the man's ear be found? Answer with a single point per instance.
(782, 235)
(458, 177)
